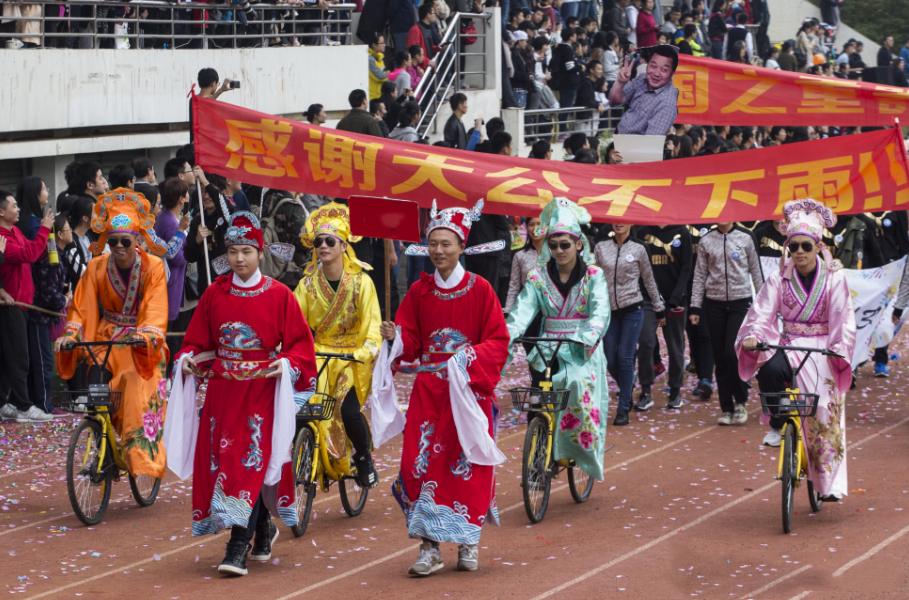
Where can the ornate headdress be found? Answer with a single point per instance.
(809, 217)
(458, 221)
(559, 217)
(333, 219)
(243, 230)
(124, 211)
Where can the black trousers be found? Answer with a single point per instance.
(724, 319)
(14, 357)
(258, 515)
(533, 331)
(882, 354)
(775, 376)
(701, 349)
(355, 424)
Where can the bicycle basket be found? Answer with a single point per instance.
(319, 408)
(789, 404)
(535, 399)
(97, 398)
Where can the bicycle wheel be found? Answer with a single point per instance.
(535, 475)
(788, 477)
(580, 484)
(303, 454)
(89, 491)
(353, 497)
(145, 488)
(816, 503)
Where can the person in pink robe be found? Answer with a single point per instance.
(811, 294)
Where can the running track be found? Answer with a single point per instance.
(688, 510)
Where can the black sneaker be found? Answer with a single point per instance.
(367, 477)
(234, 562)
(645, 402)
(266, 536)
(675, 401)
(621, 419)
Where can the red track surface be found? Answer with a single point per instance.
(688, 510)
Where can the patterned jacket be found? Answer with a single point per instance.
(50, 291)
(726, 267)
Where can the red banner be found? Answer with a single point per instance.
(851, 174)
(719, 92)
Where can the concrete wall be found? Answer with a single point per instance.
(786, 17)
(63, 89)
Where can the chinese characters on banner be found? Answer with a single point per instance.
(851, 174)
(719, 92)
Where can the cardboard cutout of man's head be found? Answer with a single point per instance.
(662, 62)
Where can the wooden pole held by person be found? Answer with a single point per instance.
(389, 248)
(204, 240)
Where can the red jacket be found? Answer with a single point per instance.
(16, 270)
(415, 38)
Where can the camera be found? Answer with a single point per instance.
(233, 85)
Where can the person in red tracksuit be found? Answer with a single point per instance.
(16, 275)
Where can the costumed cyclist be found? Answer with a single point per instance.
(339, 300)
(123, 296)
(452, 323)
(250, 341)
(570, 291)
(810, 292)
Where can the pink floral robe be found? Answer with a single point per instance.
(822, 317)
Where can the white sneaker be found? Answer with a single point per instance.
(8, 412)
(774, 438)
(468, 557)
(33, 415)
(428, 562)
(725, 419)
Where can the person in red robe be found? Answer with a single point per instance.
(249, 339)
(452, 323)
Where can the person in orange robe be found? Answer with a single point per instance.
(123, 295)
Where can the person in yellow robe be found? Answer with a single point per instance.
(123, 295)
(340, 304)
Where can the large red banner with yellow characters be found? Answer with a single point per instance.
(719, 92)
(851, 174)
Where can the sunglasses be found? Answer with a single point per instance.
(553, 246)
(806, 246)
(114, 242)
(328, 241)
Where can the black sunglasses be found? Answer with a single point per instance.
(806, 246)
(114, 242)
(329, 241)
(553, 246)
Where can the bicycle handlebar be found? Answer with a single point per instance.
(534, 340)
(764, 346)
(336, 356)
(109, 343)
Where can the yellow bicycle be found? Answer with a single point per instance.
(308, 472)
(93, 458)
(794, 406)
(542, 405)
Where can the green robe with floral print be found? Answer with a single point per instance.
(582, 317)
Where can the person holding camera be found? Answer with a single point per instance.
(210, 88)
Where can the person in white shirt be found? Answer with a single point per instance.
(735, 34)
(633, 10)
(771, 62)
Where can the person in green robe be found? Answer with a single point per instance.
(570, 291)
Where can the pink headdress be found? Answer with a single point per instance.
(809, 217)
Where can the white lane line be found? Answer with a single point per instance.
(800, 596)
(26, 470)
(692, 524)
(127, 567)
(871, 552)
(121, 497)
(777, 582)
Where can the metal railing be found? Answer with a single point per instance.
(161, 24)
(552, 123)
(450, 74)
